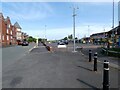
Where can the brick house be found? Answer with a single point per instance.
(24, 36)
(18, 32)
(14, 41)
(9, 33)
(3, 39)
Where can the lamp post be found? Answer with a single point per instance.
(74, 14)
(45, 32)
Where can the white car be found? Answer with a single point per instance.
(62, 45)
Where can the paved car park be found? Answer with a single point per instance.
(59, 69)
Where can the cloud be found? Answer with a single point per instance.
(27, 11)
(59, 33)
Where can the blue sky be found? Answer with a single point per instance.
(57, 16)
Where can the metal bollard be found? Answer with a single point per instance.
(95, 61)
(90, 55)
(106, 76)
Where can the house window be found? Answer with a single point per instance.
(7, 30)
(2, 37)
(8, 25)
(7, 37)
(11, 32)
(11, 37)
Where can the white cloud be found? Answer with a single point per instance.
(28, 11)
(60, 33)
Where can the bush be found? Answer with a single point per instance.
(115, 52)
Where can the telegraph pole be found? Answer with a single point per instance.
(113, 15)
(74, 14)
(113, 26)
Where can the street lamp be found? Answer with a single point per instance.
(45, 31)
(74, 14)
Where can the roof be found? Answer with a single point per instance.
(1, 14)
(101, 33)
(17, 25)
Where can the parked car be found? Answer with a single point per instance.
(25, 43)
(61, 45)
(66, 42)
(63, 42)
(19, 42)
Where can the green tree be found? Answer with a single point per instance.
(70, 37)
(65, 38)
(31, 39)
(76, 38)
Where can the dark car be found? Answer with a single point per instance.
(25, 43)
(66, 42)
(60, 43)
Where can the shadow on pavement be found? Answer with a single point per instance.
(16, 81)
(85, 68)
(91, 86)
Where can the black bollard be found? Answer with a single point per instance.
(90, 55)
(106, 76)
(95, 61)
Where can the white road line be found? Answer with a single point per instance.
(32, 49)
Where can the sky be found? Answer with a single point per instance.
(119, 11)
(53, 20)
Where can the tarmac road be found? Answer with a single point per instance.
(11, 54)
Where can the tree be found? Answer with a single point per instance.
(76, 38)
(65, 38)
(31, 39)
(70, 37)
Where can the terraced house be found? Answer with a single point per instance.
(3, 39)
(10, 34)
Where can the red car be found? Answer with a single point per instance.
(19, 42)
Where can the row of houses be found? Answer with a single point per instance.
(111, 37)
(10, 34)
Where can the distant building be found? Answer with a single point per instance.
(85, 40)
(98, 38)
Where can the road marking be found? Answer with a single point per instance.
(40, 53)
(32, 49)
